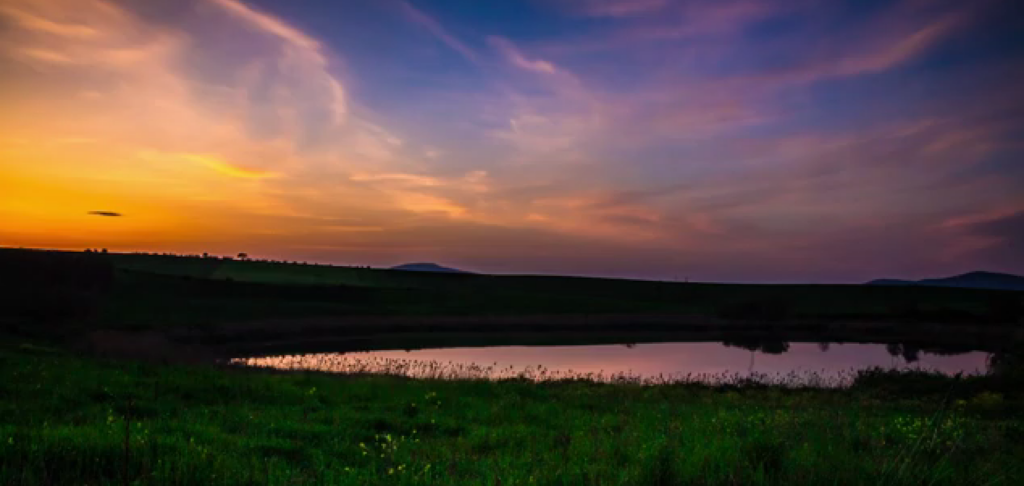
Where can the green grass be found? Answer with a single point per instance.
(73, 420)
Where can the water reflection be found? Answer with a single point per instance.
(767, 347)
(822, 364)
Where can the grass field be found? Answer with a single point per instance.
(73, 420)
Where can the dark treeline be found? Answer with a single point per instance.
(909, 351)
(240, 257)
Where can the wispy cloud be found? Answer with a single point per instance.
(1009, 229)
(310, 59)
(44, 25)
(435, 28)
(519, 60)
(227, 168)
(883, 44)
(268, 23)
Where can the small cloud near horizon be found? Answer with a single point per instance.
(109, 214)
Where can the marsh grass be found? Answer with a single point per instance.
(362, 364)
(66, 419)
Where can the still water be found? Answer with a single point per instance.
(798, 363)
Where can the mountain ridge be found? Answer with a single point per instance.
(975, 280)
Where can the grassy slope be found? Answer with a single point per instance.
(154, 289)
(63, 421)
(374, 291)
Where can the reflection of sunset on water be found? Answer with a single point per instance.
(803, 363)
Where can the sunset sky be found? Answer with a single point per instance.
(718, 140)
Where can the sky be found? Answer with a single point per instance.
(708, 140)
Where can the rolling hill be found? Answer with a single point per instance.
(972, 280)
(427, 267)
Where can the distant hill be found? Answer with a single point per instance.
(427, 267)
(972, 280)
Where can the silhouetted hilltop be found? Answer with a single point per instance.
(973, 280)
(427, 267)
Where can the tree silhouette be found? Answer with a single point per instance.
(764, 346)
(908, 352)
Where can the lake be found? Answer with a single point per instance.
(826, 364)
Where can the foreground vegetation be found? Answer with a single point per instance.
(66, 419)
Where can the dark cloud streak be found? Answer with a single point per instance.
(1009, 229)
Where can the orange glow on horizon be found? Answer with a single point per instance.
(224, 126)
